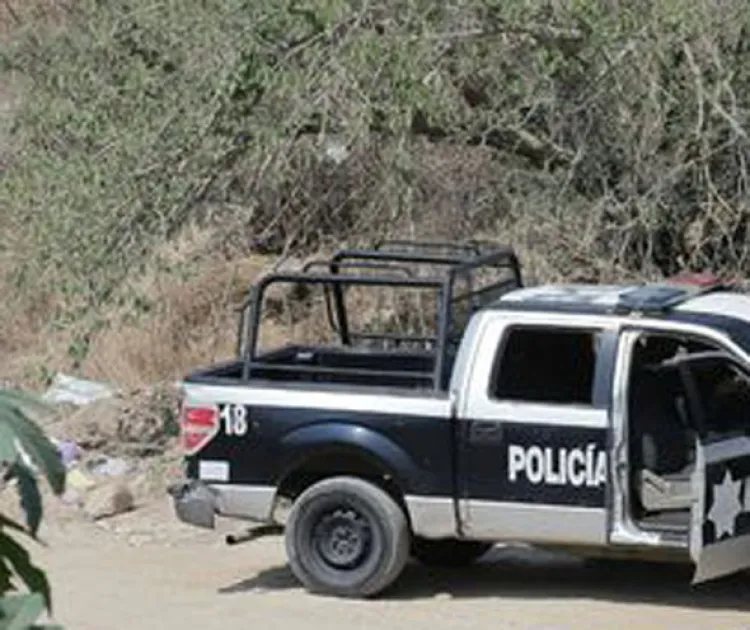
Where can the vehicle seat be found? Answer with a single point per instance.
(659, 446)
(659, 493)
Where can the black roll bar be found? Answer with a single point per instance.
(336, 280)
(385, 257)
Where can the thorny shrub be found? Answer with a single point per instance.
(603, 139)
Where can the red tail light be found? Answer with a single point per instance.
(199, 425)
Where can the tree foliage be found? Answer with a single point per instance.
(623, 125)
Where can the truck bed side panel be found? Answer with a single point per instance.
(412, 435)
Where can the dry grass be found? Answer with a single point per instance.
(26, 342)
(20, 14)
(193, 293)
(194, 323)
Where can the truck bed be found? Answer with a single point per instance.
(356, 366)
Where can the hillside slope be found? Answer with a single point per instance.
(147, 146)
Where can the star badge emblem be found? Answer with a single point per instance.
(726, 506)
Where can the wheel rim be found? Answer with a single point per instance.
(342, 538)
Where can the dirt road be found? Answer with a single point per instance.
(144, 571)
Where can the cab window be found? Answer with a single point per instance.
(543, 365)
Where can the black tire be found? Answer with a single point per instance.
(448, 552)
(346, 537)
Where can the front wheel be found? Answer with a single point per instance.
(346, 537)
(448, 552)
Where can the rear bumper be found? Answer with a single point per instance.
(198, 503)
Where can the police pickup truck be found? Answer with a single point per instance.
(607, 421)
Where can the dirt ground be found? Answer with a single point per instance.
(145, 570)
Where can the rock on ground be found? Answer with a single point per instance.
(108, 499)
(140, 423)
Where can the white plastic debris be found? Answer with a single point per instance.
(69, 389)
(110, 467)
(336, 150)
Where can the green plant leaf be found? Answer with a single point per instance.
(5, 577)
(25, 401)
(11, 524)
(22, 438)
(8, 451)
(18, 612)
(31, 499)
(18, 558)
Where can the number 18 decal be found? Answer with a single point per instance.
(234, 418)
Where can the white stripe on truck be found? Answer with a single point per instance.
(334, 400)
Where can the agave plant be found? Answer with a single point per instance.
(25, 454)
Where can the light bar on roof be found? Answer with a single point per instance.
(664, 296)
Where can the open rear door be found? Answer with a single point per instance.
(720, 515)
(720, 510)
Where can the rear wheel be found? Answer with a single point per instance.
(346, 537)
(448, 552)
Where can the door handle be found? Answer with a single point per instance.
(485, 432)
